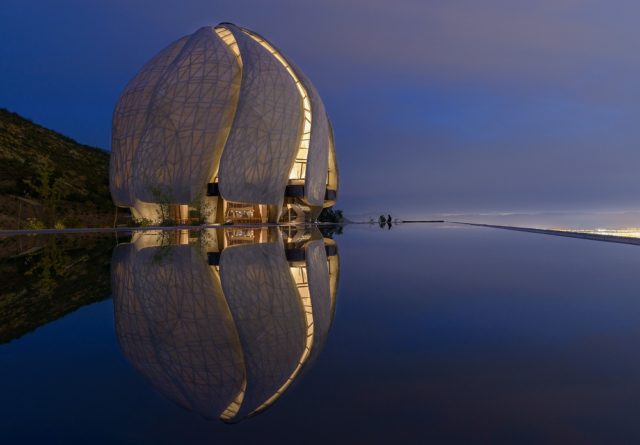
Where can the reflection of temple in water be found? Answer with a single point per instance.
(224, 322)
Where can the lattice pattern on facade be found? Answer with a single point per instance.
(258, 156)
(224, 341)
(129, 122)
(188, 122)
(315, 183)
(224, 105)
(174, 326)
(266, 308)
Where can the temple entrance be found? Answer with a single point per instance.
(242, 213)
(294, 213)
(178, 213)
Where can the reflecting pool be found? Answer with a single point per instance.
(418, 333)
(223, 322)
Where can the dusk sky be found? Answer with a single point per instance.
(437, 106)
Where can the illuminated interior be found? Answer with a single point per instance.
(294, 213)
(332, 166)
(334, 266)
(245, 235)
(215, 379)
(299, 274)
(243, 213)
(232, 410)
(212, 128)
(234, 407)
(227, 37)
(298, 170)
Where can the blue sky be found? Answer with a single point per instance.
(438, 106)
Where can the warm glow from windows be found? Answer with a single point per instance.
(299, 274)
(333, 264)
(227, 37)
(332, 168)
(298, 170)
(232, 410)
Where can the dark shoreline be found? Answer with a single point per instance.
(567, 234)
(152, 228)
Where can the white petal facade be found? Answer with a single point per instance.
(221, 120)
(225, 323)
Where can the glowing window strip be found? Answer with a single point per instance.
(234, 407)
(298, 171)
(299, 274)
(232, 410)
(332, 168)
(227, 37)
(230, 41)
(333, 265)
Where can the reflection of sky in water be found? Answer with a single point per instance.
(442, 333)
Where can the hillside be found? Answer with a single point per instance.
(48, 179)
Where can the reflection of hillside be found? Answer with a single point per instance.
(46, 277)
(224, 323)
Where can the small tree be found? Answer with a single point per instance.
(202, 209)
(48, 188)
(163, 199)
(331, 216)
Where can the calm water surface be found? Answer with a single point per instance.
(422, 333)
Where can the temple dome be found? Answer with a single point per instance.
(222, 114)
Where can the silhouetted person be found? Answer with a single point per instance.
(389, 219)
(382, 220)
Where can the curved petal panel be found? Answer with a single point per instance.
(318, 276)
(221, 105)
(262, 145)
(129, 119)
(332, 174)
(315, 184)
(226, 340)
(266, 307)
(189, 119)
(174, 326)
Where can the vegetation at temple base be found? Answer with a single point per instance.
(49, 180)
(330, 215)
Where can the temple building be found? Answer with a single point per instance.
(223, 124)
(223, 322)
